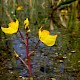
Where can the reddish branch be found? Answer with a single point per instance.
(28, 57)
(34, 48)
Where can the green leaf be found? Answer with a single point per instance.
(66, 3)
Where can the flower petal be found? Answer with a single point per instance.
(49, 40)
(43, 33)
(13, 27)
(46, 38)
(8, 30)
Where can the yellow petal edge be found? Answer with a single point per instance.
(12, 28)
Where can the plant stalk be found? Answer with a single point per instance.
(22, 36)
(28, 57)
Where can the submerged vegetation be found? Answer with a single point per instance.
(41, 41)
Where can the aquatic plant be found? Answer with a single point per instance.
(44, 36)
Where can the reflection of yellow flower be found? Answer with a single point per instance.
(46, 38)
(26, 23)
(19, 8)
(13, 27)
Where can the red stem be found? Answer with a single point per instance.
(36, 45)
(28, 57)
(23, 62)
(22, 36)
(34, 48)
(27, 48)
(27, 52)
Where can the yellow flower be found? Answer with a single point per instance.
(19, 8)
(46, 38)
(13, 28)
(26, 23)
(64, 12)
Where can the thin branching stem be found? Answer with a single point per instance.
(34, 48)
(23, 62)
